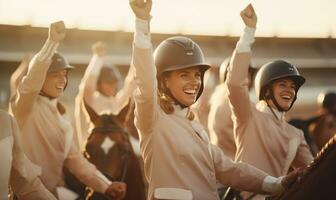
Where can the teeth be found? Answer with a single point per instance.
(286, 97)
(190, 91)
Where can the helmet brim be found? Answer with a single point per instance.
(298, 80)
(56, 69)
(203, 66)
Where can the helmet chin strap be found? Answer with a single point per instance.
(270, 107)
(272, 98)
(279, 108)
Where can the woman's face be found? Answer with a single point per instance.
(108, 88)
(55, 83)
(284, 92)
(184, 84)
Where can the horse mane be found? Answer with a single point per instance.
(321, 156)
(313, 183)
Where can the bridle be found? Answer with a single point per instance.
(125, 155)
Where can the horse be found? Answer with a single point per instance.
(314, 182)
(109, 149)
(317, 129)
(317, 180)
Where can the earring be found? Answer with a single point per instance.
(164, 97)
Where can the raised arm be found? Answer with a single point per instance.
(18, 74)
(32, 83)
(125, 93)
(88, 84)
(89, 81)
(237, 78)
(145, 71)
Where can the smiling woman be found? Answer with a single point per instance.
(184, 84)
(218, 17)
(284, 92)
(46, 131)
(262, 136)
(55, 83)
(179, 160)
(57, 77)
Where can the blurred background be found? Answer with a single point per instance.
(302, 32)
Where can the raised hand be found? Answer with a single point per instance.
(141, 8)
(99, 48)
(249, 16)
(57, 31)
(116, 191)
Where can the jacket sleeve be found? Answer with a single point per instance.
(146, 92)
(238, 175)
(303, 155)
(24, 178)
(146, 105)
(88, 83)
(88, 86)
(123, 95)
(32, 83)
(17, 76)
(86, 89)
(237, 80)
(85, 171)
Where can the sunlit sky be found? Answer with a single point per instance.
(281, 18)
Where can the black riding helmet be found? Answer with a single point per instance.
(59, 63)
(327, 100)
(272, 71)
(177, 53)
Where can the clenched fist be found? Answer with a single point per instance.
(99, 48)
(249, 16)
(57, 31)
(141, 8)
(116, 191)
(291, 177)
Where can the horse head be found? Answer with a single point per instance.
(108, 146)
(109, 149)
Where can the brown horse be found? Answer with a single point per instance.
(323, 129)
(316, 181)
(109, 149)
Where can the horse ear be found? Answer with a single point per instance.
(92, 114)
(117, 121)
(124, 114)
